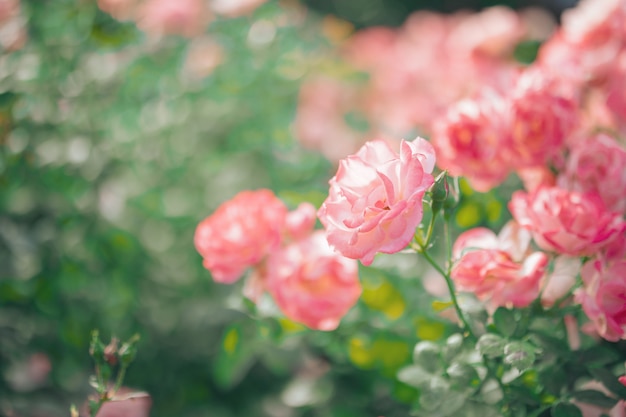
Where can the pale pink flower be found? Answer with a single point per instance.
(499, 269)
(536, 177)
(300, 222)
(119, 9)
(240, 234)
(127, 404)
(319, 123)
(469, 142)
(235, 8)
(9, 9)
(543, 114)
(567, 222)
(598, 164)
(589, 41)
(173, 17)
(375, 199)
(603, 297)
(495, 31)
(615, 91)
(311, 283)
(203, 56)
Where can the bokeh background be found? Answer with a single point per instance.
(115, 144)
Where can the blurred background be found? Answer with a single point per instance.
(117, 136)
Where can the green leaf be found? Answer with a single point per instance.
(505, 321)
(491, 345)
(519, 355)
(598, 355)
(427, 355)
(463, 376)
(565, 410)
(609, 380)
(595, 398)
(415, 376)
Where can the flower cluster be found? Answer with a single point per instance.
(309, 282)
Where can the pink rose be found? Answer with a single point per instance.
(375, 199)
(500, 268)
(603, 297)
(240, 233)
(543, 115)
(469, 141)
(300, 222)
(127, 404)
(311, 283)
(119, 9)
(176, 17)
(235, 8)
(598, 164)
(566, 222)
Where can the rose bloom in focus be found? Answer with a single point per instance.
(499, 269)
(375, 199)
(240, 233)
(311, 283)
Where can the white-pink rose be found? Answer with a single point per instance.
(311, 283)
(499, 269)
(567, 222)
(375, 199)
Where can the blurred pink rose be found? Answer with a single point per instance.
(598, 163)
(235, 8)
(319, 123)
(536, 177)
(203, 56)
(499, 269)
(543, 115)
(375, 199)
(469, 142)
(119, 9)
(300, 222)
(311, 283)
(615, 91)
(240, 233)
(495, 31)
(173, 17)
(603, 297)
(9, 9)
(567, 222)
(586, 46)
(126, 403)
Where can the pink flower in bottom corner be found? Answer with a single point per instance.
(567, 222)
(500, 268)
(603, 297)
(311, 283)
(375, 199)
(240, 234)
